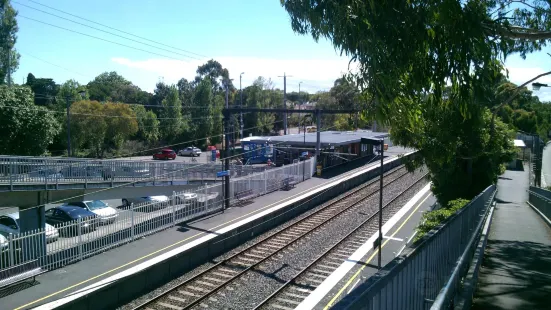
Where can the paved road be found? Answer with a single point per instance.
(517, 261)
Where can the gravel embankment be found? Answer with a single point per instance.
(255, 286)
(405, 180)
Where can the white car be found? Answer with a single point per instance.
(186, 198)
(105, 213)
(126, 202)
(10, 224)
(190, 151)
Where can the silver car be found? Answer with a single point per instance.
(126, 202)
(190, 151)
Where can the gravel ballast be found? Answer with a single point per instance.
(255, 286)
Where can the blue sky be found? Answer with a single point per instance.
(251, 36)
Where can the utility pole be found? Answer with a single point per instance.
(227, 159)
(285, 102)
(67, 101)
(241, 105)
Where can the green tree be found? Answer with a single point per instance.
(203, 114)
(9, 57)
(88, 126)
(121, 125)
(44, 89)
(110, 86)
(26, 129)
(172, 123)
(72, 89)
(148, 124)
(431, 73)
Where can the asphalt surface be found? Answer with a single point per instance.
(516, 270)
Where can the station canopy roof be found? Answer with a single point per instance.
(519, 143)
(328, 138)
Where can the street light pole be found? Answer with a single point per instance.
(241, 105)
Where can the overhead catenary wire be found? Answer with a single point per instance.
(112, 28)
(108, 32)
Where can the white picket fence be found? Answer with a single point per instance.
(77, 240)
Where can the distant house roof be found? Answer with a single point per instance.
(519, 143)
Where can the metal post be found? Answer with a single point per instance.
(173, 202)
(285, 103)
(241, 105)
(132, 227)
(227, 159)
(79, 224)
(68, 128)
(380, 205)
(11, 250)
(318, 133)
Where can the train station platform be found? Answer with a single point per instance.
(516, 270)
(100, 270)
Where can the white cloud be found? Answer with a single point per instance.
(520, 75)
(316, 74)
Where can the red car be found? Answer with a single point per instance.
(165, 154)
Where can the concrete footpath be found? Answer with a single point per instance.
(516, 271)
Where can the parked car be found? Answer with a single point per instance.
(190, 151)
(104, 212)
(165, 154)
(153, 199)
(186, 198)
(4, 243)
(10, 224)
(61, 215)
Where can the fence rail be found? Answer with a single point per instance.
(415, 279)
(24, 173)
(76, 240)
(541, 200)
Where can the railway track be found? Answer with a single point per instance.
(204, 285)
(294, 291)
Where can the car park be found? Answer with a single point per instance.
(63, 216)
(10, 224)
(104, 212)
(126, 202)
(165, 154)
(130, 172)
(190, 151)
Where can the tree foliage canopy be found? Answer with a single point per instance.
(26, 129)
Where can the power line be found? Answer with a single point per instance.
(114, 34)
(50, 63)
(98, 38)
(112, 28)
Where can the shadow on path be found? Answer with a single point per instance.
(514, 275)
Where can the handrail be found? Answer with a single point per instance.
(445, 295)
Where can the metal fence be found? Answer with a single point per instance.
(415, 279)
(27, 173)
(67, 242)
(541, 200)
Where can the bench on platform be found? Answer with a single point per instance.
(288, 183)
(20, 273)
(244, 195)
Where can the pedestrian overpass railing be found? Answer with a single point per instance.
(430, 270)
